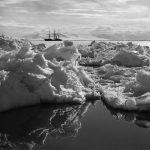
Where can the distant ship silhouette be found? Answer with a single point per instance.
(56, 37)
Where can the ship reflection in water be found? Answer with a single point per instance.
(55, 127)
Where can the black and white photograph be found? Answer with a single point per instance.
(74, 74)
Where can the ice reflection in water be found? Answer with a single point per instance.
(141, 119)
(25, 128)
(47, 126)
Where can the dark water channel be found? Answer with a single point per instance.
(86, 127)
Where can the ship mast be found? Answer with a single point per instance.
(49, 34)
(54, 34)
(58, 34)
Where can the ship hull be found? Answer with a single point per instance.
(48, 39)
(57, 40)
(52, 39)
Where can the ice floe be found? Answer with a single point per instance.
(130, 59)
(123, 74)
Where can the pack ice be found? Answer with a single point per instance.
(123, 72)
(30, 74)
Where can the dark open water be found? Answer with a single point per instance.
(68, 127)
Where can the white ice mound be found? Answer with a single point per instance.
(134, 96)
(64, 51)
(140, 49)
(141, 85)
(9, 44)
(130, 59)
(28, 77)
(117, 100)
(143, 78)
(125, 102)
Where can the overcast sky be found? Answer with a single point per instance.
(111, 19)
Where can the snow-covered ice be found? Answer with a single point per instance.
(123, 72)
(30, 75)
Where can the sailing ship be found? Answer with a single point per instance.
(56, 36)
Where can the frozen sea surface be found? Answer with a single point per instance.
(85, 42)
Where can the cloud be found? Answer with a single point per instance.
(5, 3)
(114, 16)
(15, 24)
(33, 36)
(72, 13)
(121, 33)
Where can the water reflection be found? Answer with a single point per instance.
(141, 119)
(25, 128)
(37, 127)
